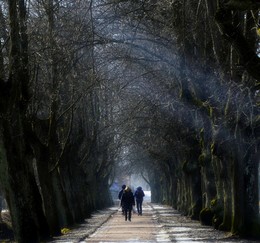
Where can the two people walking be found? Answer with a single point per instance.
(128, 201)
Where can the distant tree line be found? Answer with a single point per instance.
(168, 89)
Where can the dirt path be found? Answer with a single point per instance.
(159, 223)
(140, 229)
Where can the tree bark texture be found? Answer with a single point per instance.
(23, 197)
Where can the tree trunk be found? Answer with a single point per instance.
(50, 207)
(22, 193)
(23, 197)
(251, 215)
(238, 191)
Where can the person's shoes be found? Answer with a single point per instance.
(129, 220)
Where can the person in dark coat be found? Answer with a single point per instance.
(128, 202)
(120, 194)
(139, 196)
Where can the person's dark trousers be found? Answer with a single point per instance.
(139, 206)
(128, 212)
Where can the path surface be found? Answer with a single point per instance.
(141, 228)
(158, 224)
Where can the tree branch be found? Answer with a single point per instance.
(246, 52)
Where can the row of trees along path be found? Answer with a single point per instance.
(169, 89)
(159, 223)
